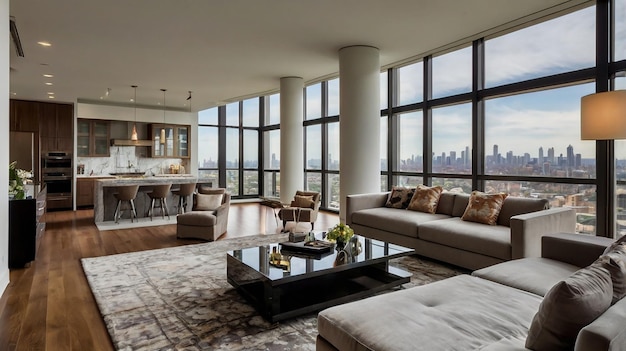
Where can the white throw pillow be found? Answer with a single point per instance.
(207, 202)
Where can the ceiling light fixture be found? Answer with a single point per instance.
(163, 128)
(44, 43)
(189, 99)
(48, 75)
(133, 135)
(48, 83)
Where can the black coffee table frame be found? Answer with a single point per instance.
(318, 284)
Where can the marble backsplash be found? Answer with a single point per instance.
(126, 159)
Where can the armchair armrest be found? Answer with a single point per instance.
(363, 201)
(527, 229)
(577, 249)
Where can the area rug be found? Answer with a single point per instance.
(178, 299)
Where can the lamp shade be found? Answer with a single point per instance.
(603, 116)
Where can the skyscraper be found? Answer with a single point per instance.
(540, 159)
(571, 159)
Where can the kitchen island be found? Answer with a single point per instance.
(105, 201)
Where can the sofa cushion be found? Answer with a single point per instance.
(425, 199)
(514, 206)
(400, 197)
(446, 203)
(197, 219)
(207, 202)
(460, 204)
(484, 208)
(458, 313)
(614, 261)
(533, 274)
(393, 220)
(490, 240)
(568, 307)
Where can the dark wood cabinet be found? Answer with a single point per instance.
(24, 116)
(56, 127)
(92, 138)
(26, 227)
(175, 142)
(84, 191)
(54, 123)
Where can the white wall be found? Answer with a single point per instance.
(4, 145)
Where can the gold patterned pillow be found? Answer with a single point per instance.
(400, 197)
(425, 199)
(484, 208)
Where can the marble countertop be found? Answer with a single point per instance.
(150, 180)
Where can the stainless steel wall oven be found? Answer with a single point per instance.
(57, 173)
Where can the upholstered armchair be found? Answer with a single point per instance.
(303, 208)
(209, 216)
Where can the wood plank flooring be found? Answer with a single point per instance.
(49, 306)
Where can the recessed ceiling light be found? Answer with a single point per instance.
(44, 43)
(50, 93)
(50, 96)
(48, 83)
(12, 93)
(48, 75)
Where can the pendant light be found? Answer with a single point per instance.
(163, 128)
(133, 136)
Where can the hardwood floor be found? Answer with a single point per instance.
(49, 306)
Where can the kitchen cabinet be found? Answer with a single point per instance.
(174, 145)
(26, 227)
(24, 116)
(56, 127)
(92, 138)
(84, 192)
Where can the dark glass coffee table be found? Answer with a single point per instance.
(309, 282)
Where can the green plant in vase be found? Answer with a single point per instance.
(17, 177)
(340, 233)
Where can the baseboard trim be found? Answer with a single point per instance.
(4, 280)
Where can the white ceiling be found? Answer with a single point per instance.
(227, 49)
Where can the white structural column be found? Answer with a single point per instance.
(359, 122)
(291, 137)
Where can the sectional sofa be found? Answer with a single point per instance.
(496, 308)
(444, 236)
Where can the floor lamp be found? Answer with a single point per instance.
(603, 117)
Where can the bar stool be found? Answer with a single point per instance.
(126, 193)
(183, 192)
(159, 192)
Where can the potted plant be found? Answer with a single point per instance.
(17, 177)
(341, 234)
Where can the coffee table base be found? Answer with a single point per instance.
(296, 297)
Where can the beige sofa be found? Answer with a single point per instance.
(492, 309)
(445, 237)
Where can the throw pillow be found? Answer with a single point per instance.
(568, 307)
(400, 197)
(614, 261)
(207, 202)
(305, 201)
(616, 243)
(483, 208)
(425, 199)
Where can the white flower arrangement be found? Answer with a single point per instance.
(17, 178)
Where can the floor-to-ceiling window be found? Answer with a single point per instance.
(208, 145)
(321, 131)
(498, 114)
(271, 146)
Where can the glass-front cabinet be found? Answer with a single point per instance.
(92, 138)
(170, 140)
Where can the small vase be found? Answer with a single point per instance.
(340, 244)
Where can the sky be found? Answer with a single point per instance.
(520, 123)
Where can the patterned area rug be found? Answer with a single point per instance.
(179, 299)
